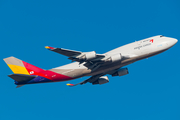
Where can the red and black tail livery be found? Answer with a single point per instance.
(25, 73)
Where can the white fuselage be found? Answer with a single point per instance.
(133, 52)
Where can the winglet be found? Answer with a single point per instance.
(49, 48)
(69, 84)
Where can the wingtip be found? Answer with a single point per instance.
(49, 48)
(69, 84)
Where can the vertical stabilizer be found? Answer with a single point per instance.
(16, 65)
(20, 67)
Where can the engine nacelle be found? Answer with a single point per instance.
(121, 72)
(114, 58)
(89, 55)
(101, 80)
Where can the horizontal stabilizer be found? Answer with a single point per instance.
(18, 86)
(22, 77)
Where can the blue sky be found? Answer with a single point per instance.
(150, 91)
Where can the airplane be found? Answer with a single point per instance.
(89, 63)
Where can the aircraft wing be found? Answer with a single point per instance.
(92, 80)
(77, 55)
(66, 52)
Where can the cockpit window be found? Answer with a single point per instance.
(161, 36)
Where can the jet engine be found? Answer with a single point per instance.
(121, 72)
(88, 56)
(114, 58)
(101, 80)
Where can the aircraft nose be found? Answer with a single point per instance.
(172, 42)
(175, 41)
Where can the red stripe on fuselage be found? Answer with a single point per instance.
(57, 77)
(33, 70)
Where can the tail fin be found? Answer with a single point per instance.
(20, 67)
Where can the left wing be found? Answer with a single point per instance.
(66, 52)
(96, 79)
(101, 79)
(77, 55)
